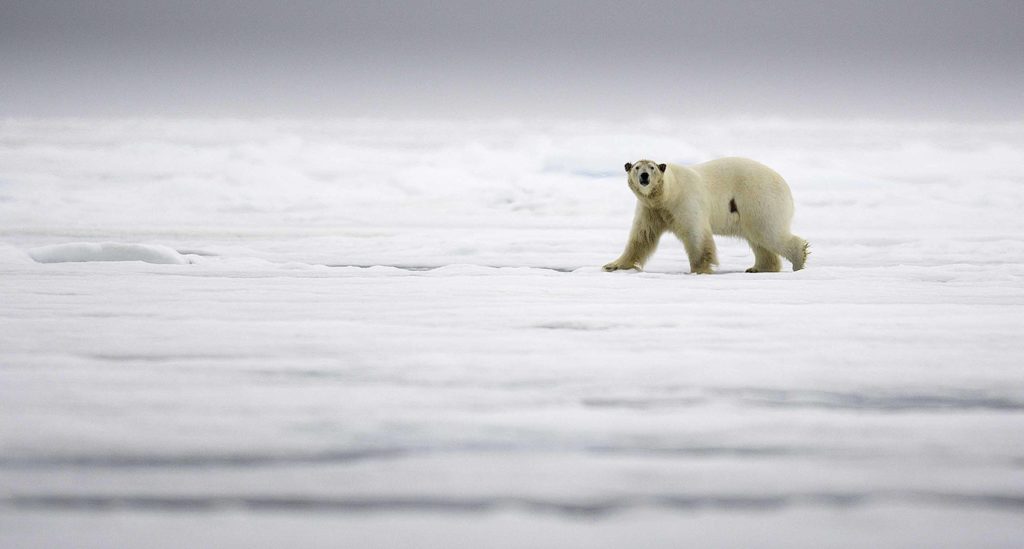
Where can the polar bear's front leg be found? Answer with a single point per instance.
(643, 240)
(700, 248)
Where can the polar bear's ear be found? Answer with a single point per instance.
(629, 166)
(662, 167)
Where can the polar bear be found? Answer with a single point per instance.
(727, 196)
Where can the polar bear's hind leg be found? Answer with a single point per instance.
(796, 251)
(789, 246)
(793, 248)
(765, 261)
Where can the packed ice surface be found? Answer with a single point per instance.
(397, 334)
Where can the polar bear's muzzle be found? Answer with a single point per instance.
(645, 178)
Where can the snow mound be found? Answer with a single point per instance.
(106, 251)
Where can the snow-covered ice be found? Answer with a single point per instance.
(397, 334)
(105, 251)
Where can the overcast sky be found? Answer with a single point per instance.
(928, 60)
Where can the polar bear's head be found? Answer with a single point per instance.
(645, 177)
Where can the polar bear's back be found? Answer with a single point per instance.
(742, 177)
(759, 194)
(736, 173)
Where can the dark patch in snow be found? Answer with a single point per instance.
(161, 357)
(423, 268)
(705, 451)
(199, 461)
(592, 507)
(643, 403)
(891, 402)
(575, 325)
(299, 373)
(413, 268)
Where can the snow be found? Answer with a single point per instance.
(397, 334)
(105, 251)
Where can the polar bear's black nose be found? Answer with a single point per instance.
(644, 177)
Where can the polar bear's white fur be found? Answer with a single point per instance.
(728, 196)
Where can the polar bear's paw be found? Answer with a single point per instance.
(802, 253)
(618, 266)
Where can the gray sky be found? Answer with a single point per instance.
(928, 60)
